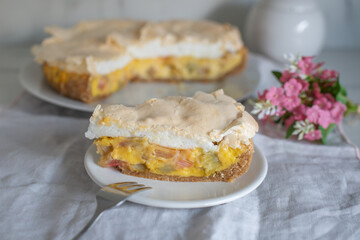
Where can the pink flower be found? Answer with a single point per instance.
(307, 59)
(280, 113)
(324, 101)
(300, 112)
(313, 114)
(337, 112)
(275, 95)
(313, 135)
(304, 84)
(325, 118)
(330, 98)
(328, 74)
(290, 102)
(262, 96)
(329, 84)
(286, 76)
(306, 65)
(319, 116)
(316, 90)
(292, 87)
(289, 121)
(319, 65)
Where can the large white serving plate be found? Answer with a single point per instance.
(182, 194)
(239, 86)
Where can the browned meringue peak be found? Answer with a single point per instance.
(86, 40)
(203, 120)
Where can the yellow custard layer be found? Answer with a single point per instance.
(182, 68)
(153, 69)
(141, 155)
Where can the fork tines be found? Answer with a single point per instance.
(128, 187)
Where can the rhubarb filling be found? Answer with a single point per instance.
(140, 155)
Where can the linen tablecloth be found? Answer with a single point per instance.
(311, 191)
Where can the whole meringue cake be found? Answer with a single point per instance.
(96, 58)
(207, 137)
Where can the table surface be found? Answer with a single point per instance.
(347, 62)
(311, 191)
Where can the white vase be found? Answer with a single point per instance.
(278, 27)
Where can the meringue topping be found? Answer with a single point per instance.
(178, 122)
(100, 47)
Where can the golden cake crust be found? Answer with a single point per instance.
(75, 87)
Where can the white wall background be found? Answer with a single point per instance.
(22, 21)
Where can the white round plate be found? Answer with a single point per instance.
(181, 194)
(239, 86)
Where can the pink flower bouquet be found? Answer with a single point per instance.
(310, 101)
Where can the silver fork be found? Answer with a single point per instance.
(110, 196)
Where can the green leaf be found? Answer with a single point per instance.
(325, 132)
(335, 89)
(350, 108)
(341, 98)
(342, 90)
(277, 74)
(290, 130)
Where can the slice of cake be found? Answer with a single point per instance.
(204, 138)
(94, 59)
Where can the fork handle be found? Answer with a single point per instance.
(102, 205)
